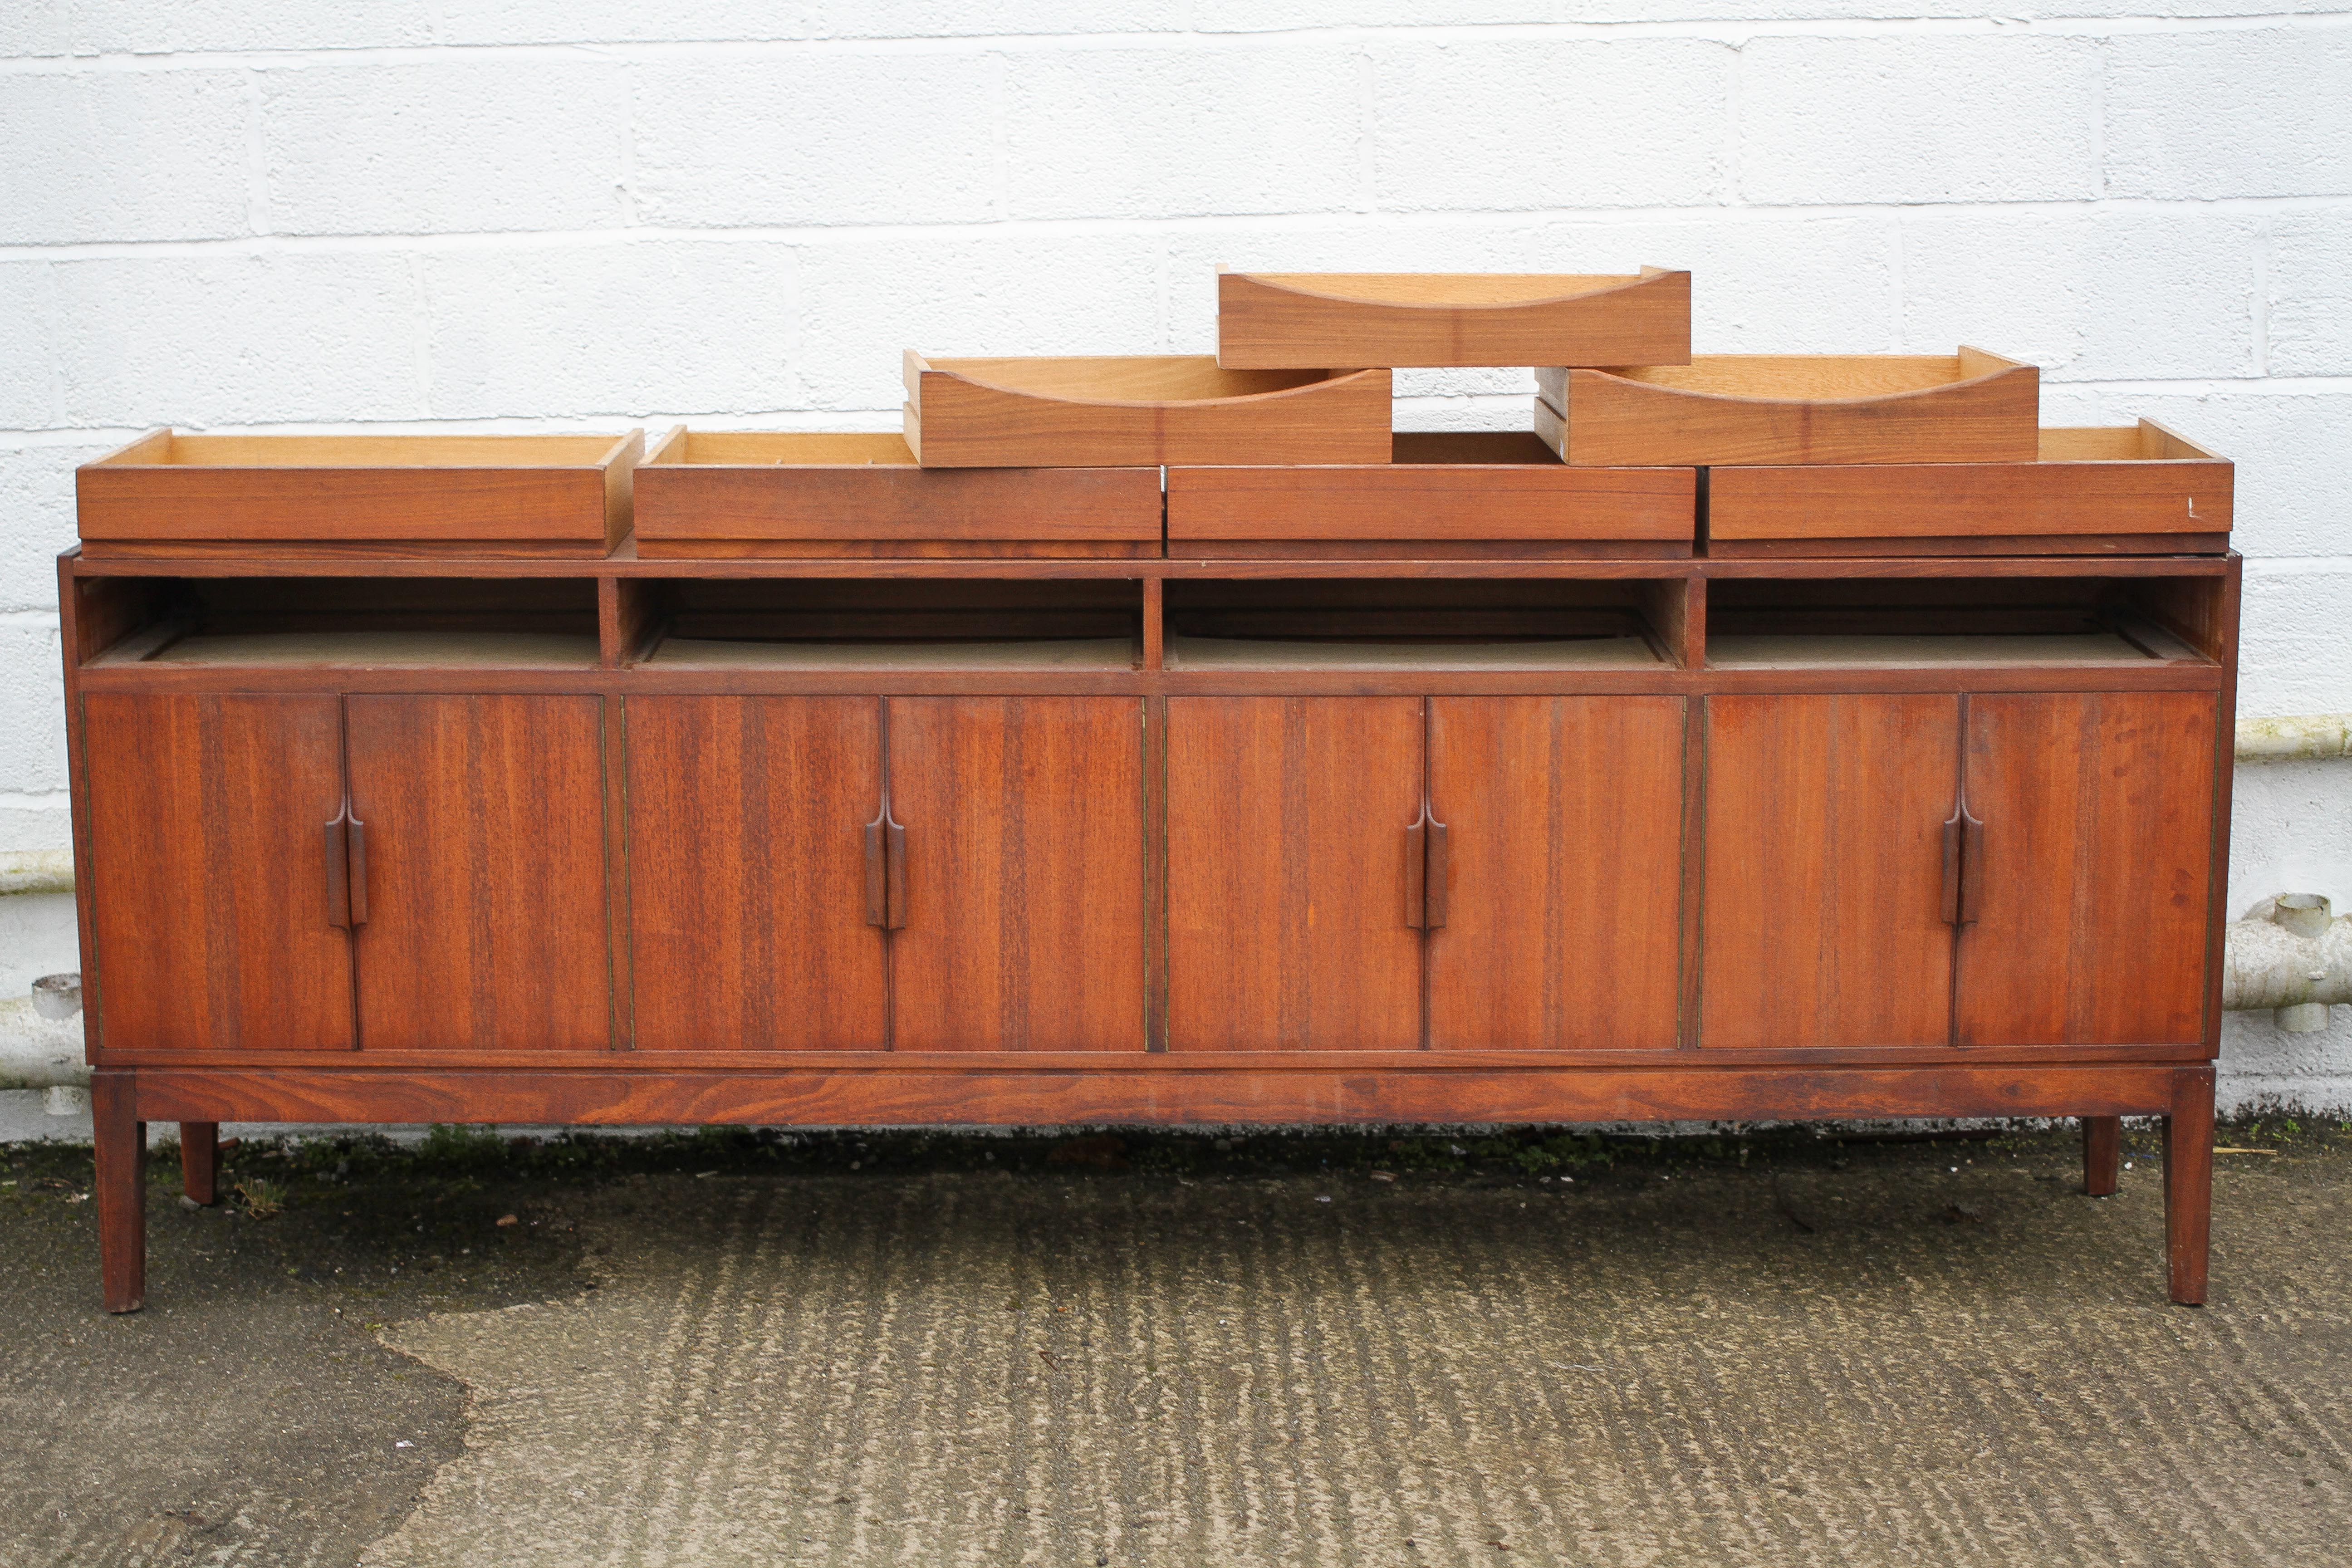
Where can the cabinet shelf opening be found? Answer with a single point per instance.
(884, 624)
(1420, 624)
(345, 622)
(1817, 622)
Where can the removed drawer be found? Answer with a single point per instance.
(729, 493)
(1139, 409)
(1455, 494)
(1305, 319)
(2137, 489)
(172, 495)
(1969, 407)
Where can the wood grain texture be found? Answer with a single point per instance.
(119, 1139)
(106, 610)
(1307, 319)
(1563, 921)
(2189, 1184)
(351, 553)
(1024, 872)
(2217, 631)
(1287, 877)
(271, 564)
(2103, 1153)
(747, 925)
(420, 490)
(1824, 870)
(1148, 410)
(200, 1161)
(1484, 487)
(2091, 889)
(2060, 495)
(1118, 1094)
(1741, 409)
(2149, 675)
(883, 549)
(724, 490)
(486, 877)
(210, 909)
(1995, 544)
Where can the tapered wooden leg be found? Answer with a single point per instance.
(122, 1147)
(199, 1160)
(2103, 1154)
(2189, 1182)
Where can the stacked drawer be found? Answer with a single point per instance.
(1279, 446)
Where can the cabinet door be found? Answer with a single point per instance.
(747, 873)
(1287, 886)
(1559, 886)
(1823, 924)
(2090, 878)
(1022, 821)
(210, 895)
(484, 878)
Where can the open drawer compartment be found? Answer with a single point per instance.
(2132, 488)
(1422, 624)
(1147, 409)
(746, 493)
(167, 494)
(339, 623)
(1469, 493)
(892, 624)
(1967, 408)
(1990, 622)
(1291, 319)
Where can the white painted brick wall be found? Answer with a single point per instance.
(579, 213)
(1157, 133)
(464, 144)
(816, 138)
(1919, 118)
(158, 156)
(1543, 124)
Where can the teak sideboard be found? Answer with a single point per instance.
(1506, 836)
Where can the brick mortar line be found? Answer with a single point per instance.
(1239, 225)
(1437, 35)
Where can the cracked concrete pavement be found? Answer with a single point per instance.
(1772, 1350)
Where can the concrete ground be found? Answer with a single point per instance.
(729, 1349)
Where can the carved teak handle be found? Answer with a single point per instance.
(1963, 865)
(347, 902)
(1424, 872)
(886, 872)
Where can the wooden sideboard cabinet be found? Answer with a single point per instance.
(1089, 839)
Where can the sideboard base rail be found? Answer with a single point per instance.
(123, 1101)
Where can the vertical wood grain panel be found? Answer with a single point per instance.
(1287, 878)
(486, 872)
(1825, 868)
(1563, 916)
(1025, 874)
(210, 902)
(746, 872)
(2091, 892)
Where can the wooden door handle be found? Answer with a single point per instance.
(878, 876)
(1963, 854)
(1433, 895)
(897, 890)
(346, 869)
(339, 869)
(886, 872)
(1971, 864)
(1424, 872)
(1416, 876)
(359, 871)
